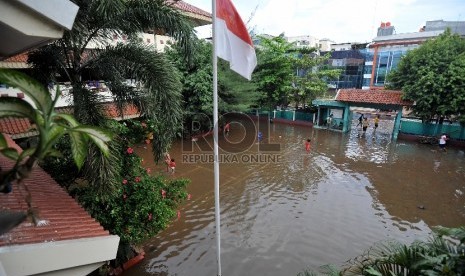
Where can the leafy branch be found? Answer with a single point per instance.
(50, 125)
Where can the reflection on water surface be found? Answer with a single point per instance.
(308, 210)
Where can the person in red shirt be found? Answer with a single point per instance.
(307, 145)
(226, 129)
(172, 165)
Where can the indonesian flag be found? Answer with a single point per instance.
(232, 39)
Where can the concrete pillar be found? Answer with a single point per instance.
(274, 114)
(395, 131)
(347, 119)
(319, 116)
(293, 115)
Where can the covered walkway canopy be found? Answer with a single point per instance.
(372, 98)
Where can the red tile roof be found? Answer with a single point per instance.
(21, 127)
(128, 111)
(376, 96)
(18, 58)
(17, 127)
(64, 218)
(183, 6)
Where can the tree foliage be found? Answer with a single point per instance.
(88, 52)
(50, 125)
(433, 76)
(234, 92)
(274, 75)
(196, 77)
(312, 75)
(237, 94)
(287, 74)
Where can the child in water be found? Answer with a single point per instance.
(307, 145)
(172, 165)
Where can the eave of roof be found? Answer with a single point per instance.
(375, 96)
(63, 218)
(68, 241)
(197, 15)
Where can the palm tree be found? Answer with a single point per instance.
(72, 59)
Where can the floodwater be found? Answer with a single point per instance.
(296, 210)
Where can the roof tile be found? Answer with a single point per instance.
(11, 125)
(379, 96)
(63, 217)
(183, 6)
(18, 58)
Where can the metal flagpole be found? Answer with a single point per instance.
(216, 164)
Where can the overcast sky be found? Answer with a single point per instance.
(338, 20)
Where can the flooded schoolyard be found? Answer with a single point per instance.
(302, 210)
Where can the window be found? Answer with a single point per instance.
(367, 69)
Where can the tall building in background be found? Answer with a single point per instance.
(350, 59)
(387, 48)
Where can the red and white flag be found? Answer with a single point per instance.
(232, 40)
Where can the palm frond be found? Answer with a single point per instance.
(157, 14)
(101, 172)
(158, 90)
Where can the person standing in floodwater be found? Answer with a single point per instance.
(307, 145)
(329, 120)
(226, 129)
(376, 121)
(260, 136)
(172, 165)
(442, 142)
(360, 120)
(365, 125)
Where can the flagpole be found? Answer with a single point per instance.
(216, 164)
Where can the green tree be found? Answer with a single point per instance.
(197, 80)
(433, 76)
(235, 94)
(312, 75)
(273, 75)
(74, 58)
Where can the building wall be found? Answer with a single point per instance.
(379, 64)
(304, 41)
(325, 44)
(341, 46)
(387, 49)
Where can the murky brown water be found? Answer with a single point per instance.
(309, 209)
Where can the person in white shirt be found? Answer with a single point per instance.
(442, 142)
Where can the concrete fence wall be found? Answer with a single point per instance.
(416, 127)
